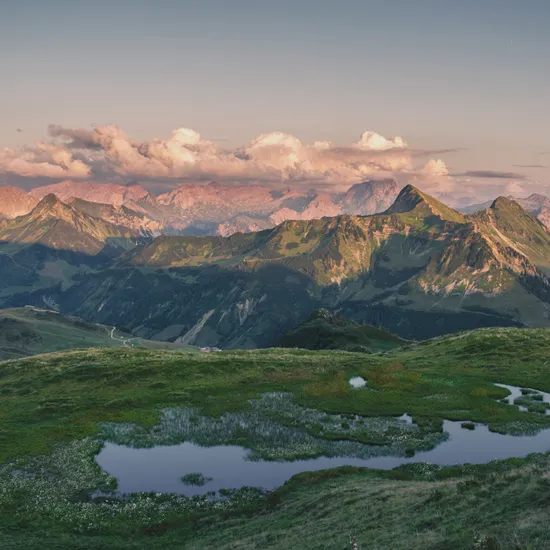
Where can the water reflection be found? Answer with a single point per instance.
(527, 393)
(160, 469)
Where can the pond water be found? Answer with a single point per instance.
(515, 393)
(358, 382)
(160, 469)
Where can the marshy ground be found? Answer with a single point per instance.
(57, 409)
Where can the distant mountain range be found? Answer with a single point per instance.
(418, 269)
(207, 209)
(221, 209)
(61, 227)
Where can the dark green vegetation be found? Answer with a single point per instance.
(48, 401)
(419, 270)
(326, 330)
(468, 425)
(30, 331)
(196, 479)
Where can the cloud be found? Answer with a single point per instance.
(43, 160)
(435, 168)
(492, 174)
(376, 142)
(107, 153)
(76, 138)
(530, 166)
(515, 189)
(19, 131)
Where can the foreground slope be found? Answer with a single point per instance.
(51, 402)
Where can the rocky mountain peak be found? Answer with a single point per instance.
(408, 199)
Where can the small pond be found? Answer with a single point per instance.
(357, 382)
(160, 469)
(528, 396)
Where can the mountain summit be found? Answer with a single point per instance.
(411, 199)
(57, 226)
(407, 200)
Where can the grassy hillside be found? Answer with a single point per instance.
(30, 331)
(55, 404)
(325, 330)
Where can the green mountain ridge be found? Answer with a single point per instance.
(328, 330)
(411, 199)
(419, 270)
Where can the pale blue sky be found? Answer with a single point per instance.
(472, 74)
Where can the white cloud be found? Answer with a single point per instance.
(44, 160)
(270, 157)
(435, 168)
(516, 189)
(376, 142)
(108, 153)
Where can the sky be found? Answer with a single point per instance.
(463, 84)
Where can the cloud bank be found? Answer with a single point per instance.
(107, 151)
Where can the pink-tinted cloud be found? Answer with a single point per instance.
(107, 153)
(271, 157)
(43, 160)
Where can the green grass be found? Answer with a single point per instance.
(63, 396)
(31, 331)
(421, 507)
(326, 330)
(49, 401)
